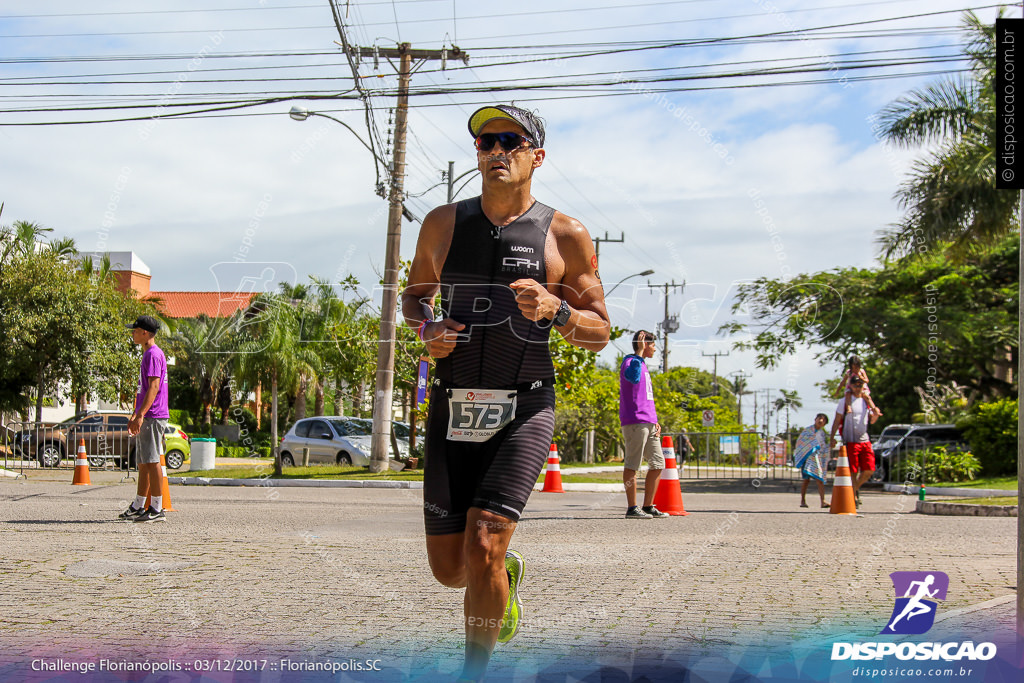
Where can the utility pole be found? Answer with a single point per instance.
(740, 385)
(670, 323)
(589, 447)
(767, 410)
(714, 374)
(598, 240)
(755, 408)
(384, 381)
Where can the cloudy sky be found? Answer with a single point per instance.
(720, 176)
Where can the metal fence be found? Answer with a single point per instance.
(35, 445)
(734, 455)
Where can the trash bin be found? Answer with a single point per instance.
(204, 454)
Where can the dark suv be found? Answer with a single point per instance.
(898, 441)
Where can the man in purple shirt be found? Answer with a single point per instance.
(148, 422)
(640, 427)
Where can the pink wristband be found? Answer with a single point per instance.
(423, 325)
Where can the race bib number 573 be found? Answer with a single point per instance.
(478, 414)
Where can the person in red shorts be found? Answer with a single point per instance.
(855, 435)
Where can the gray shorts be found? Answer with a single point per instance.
(642, 442)
(150, 441)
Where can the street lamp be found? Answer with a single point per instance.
(452, 179)
(384, 376)
(299, 113)
(628, 277)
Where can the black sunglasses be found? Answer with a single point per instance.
(508, 141)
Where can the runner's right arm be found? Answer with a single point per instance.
(425, 282)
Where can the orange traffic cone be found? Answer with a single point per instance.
(165, 490)
(553, 476)
(842, 487)
(669, 496)
(81, 466)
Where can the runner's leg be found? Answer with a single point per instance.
(486, 541)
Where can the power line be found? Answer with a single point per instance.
(722, 17)
(482, 17)
(204, 10)
(532, 98)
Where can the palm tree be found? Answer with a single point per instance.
(789, 399)
(739, 388)
(205, 348)
(20, 240)
(951, 198)
(335, 324)
(273, 354)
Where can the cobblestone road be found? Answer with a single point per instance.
(328, 573)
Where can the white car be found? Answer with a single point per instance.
(332, 441)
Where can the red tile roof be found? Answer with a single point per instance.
(213, 304)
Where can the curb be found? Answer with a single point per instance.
(955, 492)
(988, 604)
(966, 509)
(593, 488)
(297, 483)
(353, 484)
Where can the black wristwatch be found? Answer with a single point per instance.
(562, 316)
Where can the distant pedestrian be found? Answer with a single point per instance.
(640, 427)
(685, 446)
(855, 435)
(148, 422)
(811, 454)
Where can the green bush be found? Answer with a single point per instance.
(242, 452)
(940, 464)
(180, 417)
(245, 418)
(991, 429)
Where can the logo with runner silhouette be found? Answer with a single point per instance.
(916, 595)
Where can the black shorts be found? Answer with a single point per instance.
(497, 475)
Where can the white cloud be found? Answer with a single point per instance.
(632, 163)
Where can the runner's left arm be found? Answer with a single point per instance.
(588, 326)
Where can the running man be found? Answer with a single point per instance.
(915, 606)
(508, 269)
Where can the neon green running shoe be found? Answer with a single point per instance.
(515, 565)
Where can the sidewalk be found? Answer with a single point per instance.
(321, 574)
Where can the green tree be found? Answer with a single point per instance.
(587, 398)
(206, 349)
(110, 368)
(273, 355)
(914, 323)
(21, 240)
(789, 399)
(951, 197)
(991, 430)
(61, 331)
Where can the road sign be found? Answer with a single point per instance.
(708, 418)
